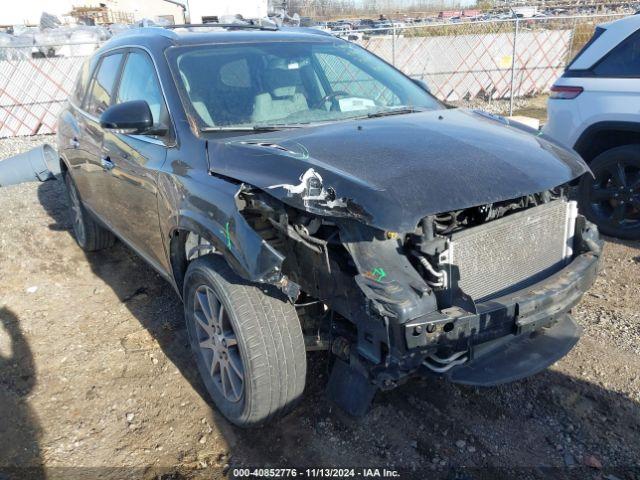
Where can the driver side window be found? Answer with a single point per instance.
(140, 82)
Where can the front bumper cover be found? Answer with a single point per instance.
(517, 356)
(519, 312)
(505, 324)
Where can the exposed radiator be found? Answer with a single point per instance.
(512, 252)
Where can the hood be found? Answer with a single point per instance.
(390, 172)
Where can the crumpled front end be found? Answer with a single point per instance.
(497, 281)
(415, 265)
(481, 295)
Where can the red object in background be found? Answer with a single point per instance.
(449, 13)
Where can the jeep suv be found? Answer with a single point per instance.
(301, 194)
(595, 109)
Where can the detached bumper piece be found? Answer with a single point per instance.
(509, 359)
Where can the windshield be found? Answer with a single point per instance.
(248, 86)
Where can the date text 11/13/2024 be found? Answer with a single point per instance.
(315, 473)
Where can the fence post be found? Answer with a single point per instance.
(513, 65)
(573, 37)
(393, 44)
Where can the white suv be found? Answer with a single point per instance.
(594, 108)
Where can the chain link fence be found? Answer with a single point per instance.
(495, 65)
(490, 64)
(35, 81)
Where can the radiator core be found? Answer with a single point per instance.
(512, 252)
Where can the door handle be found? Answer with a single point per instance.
(74, 142)
(106, 163)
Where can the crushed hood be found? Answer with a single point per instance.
(390, 172)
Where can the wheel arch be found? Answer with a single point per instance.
(603, 136)
(244, 250)
(64, 165)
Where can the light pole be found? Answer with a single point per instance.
(185, 9)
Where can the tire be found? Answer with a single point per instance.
(259, 332)
(612, 199)
(90, 235)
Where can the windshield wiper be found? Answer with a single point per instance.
(395, 111)
(249, 128)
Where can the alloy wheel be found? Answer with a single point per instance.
(218, 344)
(615, 195)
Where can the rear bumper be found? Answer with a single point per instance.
(563, 120)
(501, 328)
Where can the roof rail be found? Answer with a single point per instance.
(240, 26)
(154, 30)
(314, 31)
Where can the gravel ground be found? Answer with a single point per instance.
(535, 107)
(96, 380)
(13, 146)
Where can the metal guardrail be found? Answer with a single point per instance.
(482, 62)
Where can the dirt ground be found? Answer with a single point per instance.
(97, 381)
(534, 107)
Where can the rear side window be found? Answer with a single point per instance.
(599, 31)
(622, 61)
(140, 82)
(99, 97)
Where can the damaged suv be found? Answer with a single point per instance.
(301, 194)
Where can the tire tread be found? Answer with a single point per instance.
(272, 335)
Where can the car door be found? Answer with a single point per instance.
(94, 176)
(134, 160)
(70, 126)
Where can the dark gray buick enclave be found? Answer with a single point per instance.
(301, 194)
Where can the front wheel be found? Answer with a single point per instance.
(247, 342)
(611, 200)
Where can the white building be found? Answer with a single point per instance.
(202, 11)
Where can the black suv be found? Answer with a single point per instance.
(301, 194)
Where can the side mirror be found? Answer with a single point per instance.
(132, 117)
(422, 84)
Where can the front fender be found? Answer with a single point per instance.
(208, 207)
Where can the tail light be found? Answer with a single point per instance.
(563, 92)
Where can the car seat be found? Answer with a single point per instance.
(281, 97)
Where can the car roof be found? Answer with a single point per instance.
(614, 33)
(158, 38)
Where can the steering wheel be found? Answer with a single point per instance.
(330, 96)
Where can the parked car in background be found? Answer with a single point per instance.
(367, 23)
(300, 193)
(383, 27)
(594, 108)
